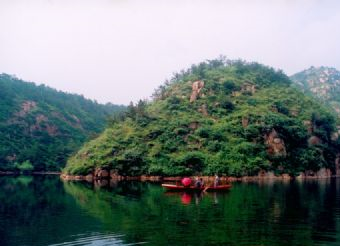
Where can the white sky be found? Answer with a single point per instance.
(121, 50)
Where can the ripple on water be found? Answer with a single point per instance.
(97, 239)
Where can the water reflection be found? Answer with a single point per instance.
(187, 198)
(44, 211)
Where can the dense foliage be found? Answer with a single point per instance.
(246, 118)
(40, 126)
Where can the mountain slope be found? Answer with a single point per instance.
(44, 126)
(322, 82)
(230, 117)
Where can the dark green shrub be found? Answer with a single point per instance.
(227, 105)
(203, 132)
(229, 86)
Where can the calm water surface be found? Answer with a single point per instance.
(46, 211)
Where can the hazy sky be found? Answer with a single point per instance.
(121, 50)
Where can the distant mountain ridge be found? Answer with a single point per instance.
(44, 126)
(322, 82)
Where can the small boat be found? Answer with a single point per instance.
(218, 188)
(174, 187)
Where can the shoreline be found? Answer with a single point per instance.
(13, 173)
(262, 176)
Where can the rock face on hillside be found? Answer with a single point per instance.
(337, 165)
(244, 118)
(26, 107)
(196, 88)
(322, 82)
(248, 86)
(43, 126)
(275, 145)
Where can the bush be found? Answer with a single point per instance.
(173, 103)
(214, 146)
(203, 132)
(229, 86)
(131, 162)
(191, 161)
(227, 105)
(25, 166)
(311, 159)
(252, 101)
(281, 108)
(181, 131)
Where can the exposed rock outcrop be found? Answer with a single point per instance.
(40, 118)
(275, 145)
(337, 165)
(114, 174)
(324, 173)
(52, 130)
(266, 175)
(101, 173)
(26, 107)
(314, 140)
(194, 125)
(286, 176)
(308, 124)
(337, 109)
(89, 177)
(196, 89)
(75, 122)
(309, 174)
(203, 109)
(248, 87)
(236, 93)
(42, 124)
(335, 136)
(245, 121)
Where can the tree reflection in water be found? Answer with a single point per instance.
(43, 210)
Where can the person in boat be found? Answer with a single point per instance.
(217, 180)
(199, 182)
(202, 182)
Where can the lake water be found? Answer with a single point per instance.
(46, 211)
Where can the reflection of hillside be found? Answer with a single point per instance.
(35, 211)
(120, 209)
(263, 213)
(43, 211)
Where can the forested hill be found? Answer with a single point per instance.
(43, 126)
(322, 82)
(230, 117)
